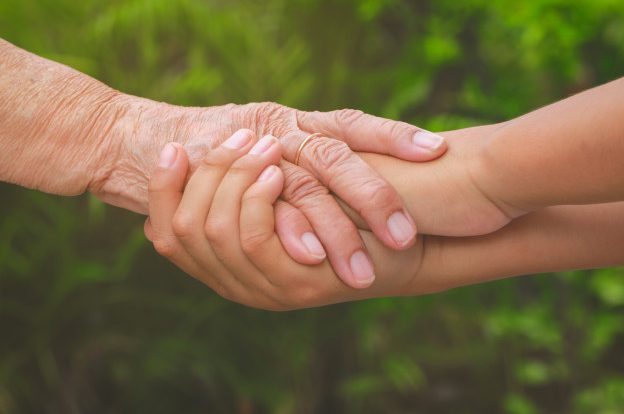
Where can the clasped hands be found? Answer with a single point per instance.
(261, 231)
(342, 224)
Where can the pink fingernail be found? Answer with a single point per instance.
(263, 145)
(362, 269)
(314, 246)
(238, 140)
(168, 156)
(400, 228)
(427, 140)
(268, 173)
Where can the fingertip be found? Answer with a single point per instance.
(402, 230)
(362, 270)
(168, 156)
(171, 168)
(267, 186)
(422, 146)
(239, 139)
(313, 246)
(296, 235)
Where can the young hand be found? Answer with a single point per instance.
(220, 228)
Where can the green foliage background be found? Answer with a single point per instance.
(93, 321)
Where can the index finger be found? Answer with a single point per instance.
(355, 182)
(368, 133)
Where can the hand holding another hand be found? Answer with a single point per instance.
(309, 221)
(220, 229)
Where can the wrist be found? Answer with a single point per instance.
(143, 130)
(130, 149)
(490, 173)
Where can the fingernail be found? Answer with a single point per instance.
(427, 140)
(400, 228)
(268, 173)
(362, 268)
(262, 145)
(238, 140)
(314, 246)
(167, 156)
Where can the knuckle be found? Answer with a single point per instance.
(395, 129)
(289, 217)
(254, 239)
(379, 194)
(222, 291)
(271, 118)
(329, 153)
(182, 225)
(345, 117)
(304, 295)
(215, 230)
(269, 108)
(165, 247)
(300, 185)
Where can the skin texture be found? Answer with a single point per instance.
(225, 198)
(65, 133)
(491, 176)
(569, 152)
(237, 197)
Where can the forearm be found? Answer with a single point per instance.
(58, 127)
(570, 152)
(553, 239)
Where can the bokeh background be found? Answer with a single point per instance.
(93, 321)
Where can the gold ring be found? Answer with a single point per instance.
(303, 143)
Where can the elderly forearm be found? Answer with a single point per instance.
(570, 152)
(553, 239)
(57, 126)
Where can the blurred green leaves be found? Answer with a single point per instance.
(608, 285)
(93, 321)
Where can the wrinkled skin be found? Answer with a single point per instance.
(327, 166)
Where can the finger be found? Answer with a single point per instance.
(222, 224)
(164, 193)
(297, 236)
(195, 204)
(190, 218)
(305, 285)
(339, 236)
(262, 246)
(358, 184)
(257, 222)
(363, 132)
(224, 214)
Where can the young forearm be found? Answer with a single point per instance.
(553, 239)
(569, 152)
(57, 126)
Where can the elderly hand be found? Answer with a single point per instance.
(64, 133)
(234, 249)
(308, 219)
